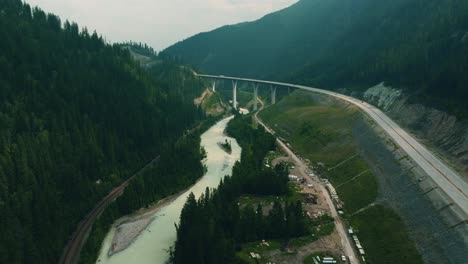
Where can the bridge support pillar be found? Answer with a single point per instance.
(234, 94)
(273, 95)
(255, 96)
(213, 85)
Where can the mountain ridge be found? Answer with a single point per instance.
(419, 46)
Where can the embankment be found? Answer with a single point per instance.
(371, 175)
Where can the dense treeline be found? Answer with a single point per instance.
(140, 48)
(253, 177)
(167, 177)
(179, 165)
(418, 45)
(77, 117)
(212, 228)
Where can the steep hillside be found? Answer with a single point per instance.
(77, 117)
(211, 103)
(445, 134)
(421, 46)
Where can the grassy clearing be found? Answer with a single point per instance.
(354, 182)
(317, 231)
(273, 155)
(211, 104)
(255, 247)
(358, 192)
(293, 196)
(243, 97)
(384, 237)
(322, 132)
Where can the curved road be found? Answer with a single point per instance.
(72, 251)
(447, 179)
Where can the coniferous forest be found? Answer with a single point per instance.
(214, 227)
(78, 116)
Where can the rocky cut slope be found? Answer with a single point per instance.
(447, 134)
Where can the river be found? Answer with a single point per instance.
(152, 245)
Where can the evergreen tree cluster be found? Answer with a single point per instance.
(255, 143)
(77, 117)
(212, 228)
(168, 177)
(140, 48)
(179, 165)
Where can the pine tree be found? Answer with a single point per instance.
(276, 221)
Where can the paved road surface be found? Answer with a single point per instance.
(72, 251)
(446, 178)
(345, 242)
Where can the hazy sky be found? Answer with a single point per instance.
(158, 23)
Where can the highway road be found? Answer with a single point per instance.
(448, 180)
(72, 251)
(303, 168)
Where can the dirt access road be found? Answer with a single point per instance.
(302, 168)
(72, 251)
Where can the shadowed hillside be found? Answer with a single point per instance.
(421, 46)
(77, 117)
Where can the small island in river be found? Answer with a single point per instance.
(226, 146)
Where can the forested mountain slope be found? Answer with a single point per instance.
(77, 117)
(419, 45)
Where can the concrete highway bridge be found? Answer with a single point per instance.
(446, 179)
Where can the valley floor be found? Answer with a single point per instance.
(324, 131)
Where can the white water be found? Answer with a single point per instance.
(153, 243)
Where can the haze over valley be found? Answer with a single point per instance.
(310, 131)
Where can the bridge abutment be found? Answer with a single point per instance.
(213, 85)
